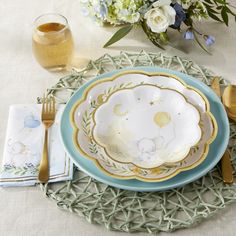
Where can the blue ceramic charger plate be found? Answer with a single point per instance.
(216, 150)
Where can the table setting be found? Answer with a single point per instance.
(117, 138)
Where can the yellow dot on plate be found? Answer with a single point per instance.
(162, 119)
(117, 110)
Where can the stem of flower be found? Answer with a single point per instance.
(197, 31)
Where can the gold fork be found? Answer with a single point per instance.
(48, 117)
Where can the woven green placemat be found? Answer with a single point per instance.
(129, 211)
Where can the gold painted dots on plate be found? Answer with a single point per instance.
(153, 102)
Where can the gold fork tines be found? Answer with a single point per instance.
(48, 117)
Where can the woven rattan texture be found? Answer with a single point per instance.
(129, 211)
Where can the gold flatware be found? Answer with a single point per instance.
(48, 117)
(226, 166)
(229, 97)
(229, 101)
(232, 116)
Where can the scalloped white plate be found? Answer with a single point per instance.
(146, 126)
(97, 93)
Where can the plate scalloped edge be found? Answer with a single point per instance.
(113, 78)
(177, 181)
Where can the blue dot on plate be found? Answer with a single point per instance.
(31, 122)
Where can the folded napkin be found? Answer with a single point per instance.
(24, 145)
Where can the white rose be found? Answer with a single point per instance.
(161, 3)
(161, 16)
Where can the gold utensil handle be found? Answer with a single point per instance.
(226, 168)
(43, 169)
(216, 86)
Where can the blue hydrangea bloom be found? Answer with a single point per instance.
(103, 9)
(209, 40)
(189, 35)
(180, 15)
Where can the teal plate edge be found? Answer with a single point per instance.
(216, 149)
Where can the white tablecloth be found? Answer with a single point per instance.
(26, 211)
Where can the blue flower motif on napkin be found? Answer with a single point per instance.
(31, 121)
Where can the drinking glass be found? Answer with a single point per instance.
(52, 42)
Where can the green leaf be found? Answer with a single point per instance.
(208, 1)
(219, 7)
(209, 8)
(153, 37)
(157, 44)
(214, 17)
(119, 35)
(224, 16)
(212, 11)
(220, 1)
(229, 11)
(199, 43)
(164, 37)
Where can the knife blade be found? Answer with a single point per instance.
(226, 166)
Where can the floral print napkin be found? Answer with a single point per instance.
(24, 145)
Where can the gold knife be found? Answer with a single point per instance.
(226, 166)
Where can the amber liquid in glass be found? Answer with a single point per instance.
(53, 46)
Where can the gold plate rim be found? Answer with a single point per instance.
(150, 74)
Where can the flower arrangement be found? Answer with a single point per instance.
(156, 17)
